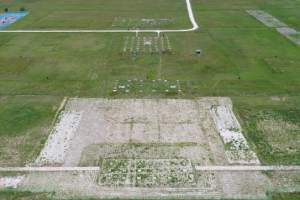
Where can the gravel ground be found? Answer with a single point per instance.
(57, 145)
(135, 120)
(243, 183)
(98, 125)
(238, 150)
(216, 183)
(13, 182)
(266, 19)
(86, 184)
(290, 34)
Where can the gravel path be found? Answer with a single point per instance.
(59, 109)
(189, 8)
(270, 21)
(57, 145)
(47, 169)
(247, 168)
(198, 168)
(266, 19)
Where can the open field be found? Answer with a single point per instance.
(256, 66)
(105, 15)
(25, 125)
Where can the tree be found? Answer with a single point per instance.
(5, 9)
(22, 9)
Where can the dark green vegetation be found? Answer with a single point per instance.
(288, 196)
(11, 194)
(281, 195)
(241, 58)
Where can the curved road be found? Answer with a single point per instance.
(189, 7)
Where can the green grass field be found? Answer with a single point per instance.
(241, 58)
(25, 123)
(23, 195)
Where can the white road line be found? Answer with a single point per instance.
(189, 8)
(198, 168)
(247, 168)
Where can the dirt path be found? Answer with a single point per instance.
(247, 168)
(47, 169)
(198, 168)
(59, 109)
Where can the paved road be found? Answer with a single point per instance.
(47, 169)
(189, 8)
(199, 168)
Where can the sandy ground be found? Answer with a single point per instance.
(245, 184)
(85, 184)
(96, 121)
(57, 145)
(106, 125)
(141, 121)
(13, 182)
(231, 133)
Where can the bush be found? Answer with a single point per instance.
(5, 9)
(22, 9)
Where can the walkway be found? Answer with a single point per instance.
(198, 168)
(247, 168)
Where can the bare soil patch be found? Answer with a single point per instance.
(142, 146)
(12, 182)
(237, 148)
(133, 120)
(57, 145)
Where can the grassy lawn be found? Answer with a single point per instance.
(290, 16)
(25, 123)
(94, 15)
(274, 133)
